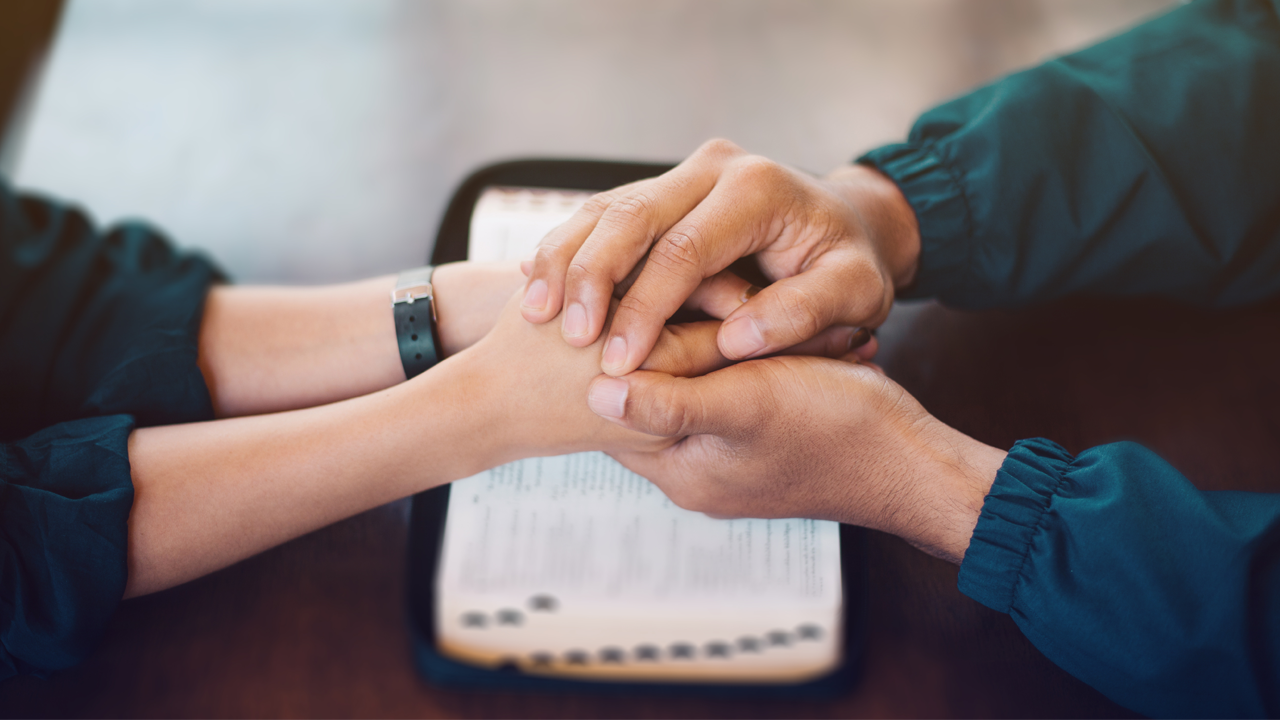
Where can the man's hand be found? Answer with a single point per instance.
(836, 246)
(806, 437)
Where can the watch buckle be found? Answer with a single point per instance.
(409, 294)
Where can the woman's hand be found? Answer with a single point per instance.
(534, 386)
(836, 246)
(805, 437)
(469, 297)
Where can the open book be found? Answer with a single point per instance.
(576, 567)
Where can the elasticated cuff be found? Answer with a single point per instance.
(65, 497)
(942, 212)
(1025, 485)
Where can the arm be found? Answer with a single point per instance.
(118, 321)
(1144, 165)
(209, 494)
(84, 500)
(267, 349)
(1165, 598)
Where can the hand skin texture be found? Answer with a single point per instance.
(209, 494)
(836, 248)
(805, 437)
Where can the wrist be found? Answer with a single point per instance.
(469, 298)
(887, 216)
(477, 430)
(954, 474)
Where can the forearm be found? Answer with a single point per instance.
(268, 349)
(939, 492)
(1140, 166)
(210, 494)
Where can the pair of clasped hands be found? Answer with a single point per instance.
(773, 408)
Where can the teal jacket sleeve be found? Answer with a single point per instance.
(1163, 597)
(1145, 165)
(99, 333)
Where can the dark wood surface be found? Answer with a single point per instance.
(317, 627)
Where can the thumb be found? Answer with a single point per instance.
(839, 288)
(659, 404)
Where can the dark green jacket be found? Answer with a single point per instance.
(1146, 165)
(98, 335)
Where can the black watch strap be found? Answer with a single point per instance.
(414, 305)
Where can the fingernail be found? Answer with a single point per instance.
(615, 353)
(741, 337)
(575, 321)
(749, 293)
(526, 267)
(535, 298)
(608, 398)
(859, 338)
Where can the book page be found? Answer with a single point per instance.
(508, 223)
(576, 566)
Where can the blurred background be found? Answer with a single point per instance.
(318, 140)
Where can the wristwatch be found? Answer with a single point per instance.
(414, 306)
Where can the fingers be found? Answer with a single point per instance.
(579, 263)
(544, 290)
(867, 352)
(687, 350)
(659, 404)
(834, 342)
(721, 294)
(620, 240)
(702, 243)
(841, 287)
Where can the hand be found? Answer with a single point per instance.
(469, 297)
(805, 437)
(835, 246)
(534, 386)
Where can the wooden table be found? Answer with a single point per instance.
(317, 627)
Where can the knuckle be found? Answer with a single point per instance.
(598, 203)
(679, 250)
(632, 210)
(870, 302)
(548, 254)
(579, 274)
(761, 171)
(634, 303)
(719, 148)
(666, 412)
(802, 313)
(671, 354)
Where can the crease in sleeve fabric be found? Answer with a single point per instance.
(99, 334)
(1144, 165)
(1163, 597)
